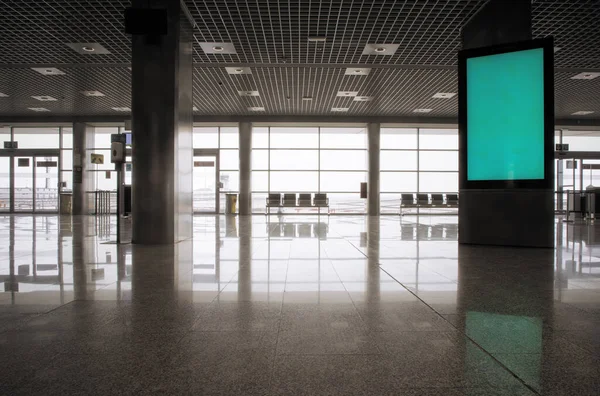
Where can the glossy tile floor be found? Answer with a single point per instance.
(296, 306)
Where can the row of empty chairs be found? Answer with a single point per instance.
(292, 200)
(428, 201)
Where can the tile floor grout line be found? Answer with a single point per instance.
(451, 324)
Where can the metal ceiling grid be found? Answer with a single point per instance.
(23, 83)
(272, 31)
(576, 95)
(37, 31)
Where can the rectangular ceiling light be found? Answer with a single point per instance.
(583, 112)
(92, 93)
(307, 98)
(358, 71)
(88, 48)
(3, 95)
(194, 108)
(363, 99)
(422, 110)
(218, 48)
(248, 93)
(347, 93)
(123, 109)
(256, 108)
(49, 71)
(45, 98)
(339, 109)
(38, 109)
(586, 76)
(317, 39)
(444, 95)
(238, 70)
(380, 49)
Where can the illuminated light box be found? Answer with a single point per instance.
(506, 115)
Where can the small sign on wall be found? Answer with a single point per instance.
(97, 159)
(23, 162)
(11, 145)
(47, 164)
(108, 174)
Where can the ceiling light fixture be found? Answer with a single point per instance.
(194, 108)
(3, 95)
(88, 49)
(248, 93)
(122, 109)
(363, 99)
(347, 93)
(92, 93)
(38, 109)
(357, 71)
(256, 108)
(307, 98)
(44, 98)
(380, 49)
(48, 71)
(317, 39)
(586, 76)
(583, 112)
(218, 48)
(339, 109)
(444, 95)
(422, 110)
(238, 70)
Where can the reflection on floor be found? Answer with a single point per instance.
(296, 305)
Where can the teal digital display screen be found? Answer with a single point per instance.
(505, 116)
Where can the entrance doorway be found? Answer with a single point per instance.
(206, 184)
(29, 182)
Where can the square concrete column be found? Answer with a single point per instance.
(374, 136)
(83, 181)
(245, 201)
(162, 152)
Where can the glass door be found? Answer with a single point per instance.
(205, 182)
(23, 183)
(46, 184)
(4, 184)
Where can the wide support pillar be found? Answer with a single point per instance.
(245, 202)
(373, 199)
(83, 181)
(162, 150)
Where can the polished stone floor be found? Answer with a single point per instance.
(296, 305)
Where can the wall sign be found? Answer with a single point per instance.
(97, 159)
(23, 162)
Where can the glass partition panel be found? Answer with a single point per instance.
(260, 137)
(229, 137)
(344, 160)
(342, 181)
(438, 139)
(398, 138)
(344, 138)
(438, 182)
(37, 138)
(260, 159)
(438, 161)
(290, 181)
(291, 137)
(229, 159)
(294, 159)
(398, 160)
(402, 182)
(206, 137)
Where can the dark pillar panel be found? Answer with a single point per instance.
(509, 217)
(162, 131)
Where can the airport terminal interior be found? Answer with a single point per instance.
(237, 197)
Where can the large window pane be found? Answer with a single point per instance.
(438, 182)
(398, 138)
(294, 137)
(398, 160)
(37, 137)
(294, 159)
(260, 181)
(342, 181)
(229, 159)
(230, 180)
(102, 137)
(346, 203)
(294, 181)
(104, 183)
(344, 138)
(260, 159)
(343, 160)
(67, 159)
(260, 137)
(581, 143)
(390, 203)
(398, 182)
(229, 137)
(438, 160)
(438, 139)
(67, 138)
(206, 137)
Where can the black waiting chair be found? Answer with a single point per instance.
(289, 200)
(305, 200)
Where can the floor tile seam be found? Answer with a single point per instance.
(216, 297)
(522, 381)
(577, 346)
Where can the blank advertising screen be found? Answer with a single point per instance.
(505, 116)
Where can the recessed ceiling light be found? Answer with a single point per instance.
(44, 98)
(3, 95)
(317, 39)
(194, 108)
(583, 112)
(556, 49)
(339, 109)
(256, 108)
(363, 99)
(586, 76)
(380, 49)
(238, 70)
(123, 109)
(422, 110)
(88, 48)
(248, 93)
(444, 95)
(39, 109)
(49, 71)
(218, 48)
(92, 93)
(307, 98)
(347, 93)
(357, 71)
